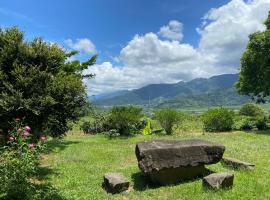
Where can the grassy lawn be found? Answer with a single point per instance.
(76, 166)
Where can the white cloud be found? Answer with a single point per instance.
(83, 45)
(173, 31)
(150, 50)
(224, 35)
(150, 59)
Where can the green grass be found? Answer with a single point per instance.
(76, 166)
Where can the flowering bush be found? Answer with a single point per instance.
(19, 162)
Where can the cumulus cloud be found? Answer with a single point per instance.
(161, 57)
(224, 35)
(83, 45)
(173, 31)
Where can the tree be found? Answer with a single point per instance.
(39, 84)
(167, 119)
(255, 65)
(125, 119)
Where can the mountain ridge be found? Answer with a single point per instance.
(199, 91)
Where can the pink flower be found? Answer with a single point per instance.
(11, 139)
(27, 128)
(17, 119)
(19, 130)
(26, 134)
(43, 138)
(31, 146)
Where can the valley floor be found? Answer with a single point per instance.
(76, 166)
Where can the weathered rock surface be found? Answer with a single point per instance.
(234, 163)
(218, 181)
(115, 183)
(168, 161)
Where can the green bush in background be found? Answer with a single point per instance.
(218, 120)
(243, 123)
(251, 109)
(261, 123)
(126, 120)
(168, 118)
(247, 123)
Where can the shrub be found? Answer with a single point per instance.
(38, 82)
(87, 127)
(244, 123)
(125, 120)
(261, 123)
(218, 120)
(96, 123)
(18, 163)
(251, 109)
(247, 123)
(168, 118)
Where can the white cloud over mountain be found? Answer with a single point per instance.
(161, 57)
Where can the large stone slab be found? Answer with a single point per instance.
(235, 163)
(115, 183)
(170, 161)
(218, 181)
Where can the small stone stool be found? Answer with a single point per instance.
(115, 183)
(218, 181)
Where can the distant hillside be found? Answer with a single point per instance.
(215, 91)
(108, 95)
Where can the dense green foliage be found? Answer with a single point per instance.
(218, 120)
(244, 123)
(255, 65)
(96, 123)
(168, 118)
(18, 164)
(126, 120)
(251, 109)
(261, 123)
(247, 123)
(37, 83)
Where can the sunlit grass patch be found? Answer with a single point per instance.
(81, 161)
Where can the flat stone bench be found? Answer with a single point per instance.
(170, 161)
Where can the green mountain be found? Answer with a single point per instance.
(214, 91)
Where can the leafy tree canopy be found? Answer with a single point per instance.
(39, 84)
(255, 65)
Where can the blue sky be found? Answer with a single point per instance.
(142, 42)
(109, 24)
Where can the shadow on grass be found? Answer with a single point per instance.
(43, 172)
(142, 181)
(265, 132)
(42, 187)
(34, 191)
(59, 144)
(121, 137)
